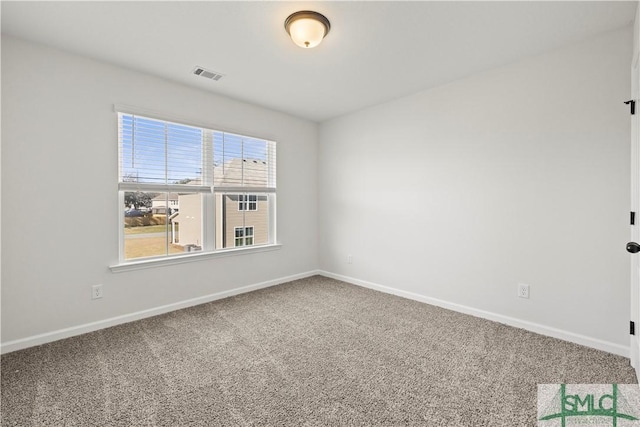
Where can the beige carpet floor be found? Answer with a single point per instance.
(311, 352)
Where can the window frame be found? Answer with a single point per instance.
(208, 206)
(244, 236)
(247, 203)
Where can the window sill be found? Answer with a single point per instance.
(192, 257)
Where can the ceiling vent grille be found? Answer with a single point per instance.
(211, 75)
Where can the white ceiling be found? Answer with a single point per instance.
(375, 52)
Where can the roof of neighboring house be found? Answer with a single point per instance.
(248, 172)
(234, 172)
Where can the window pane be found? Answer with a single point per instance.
(145, 230)
(247, 202)
(232, 224)
(184, 154)
(158, 152)
(158, 224)
(142, 150)
(243, 161)
(253, 202)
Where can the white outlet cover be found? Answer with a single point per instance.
(96, 291)
(523, 290)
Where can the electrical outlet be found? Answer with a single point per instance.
(523, 290)
(349, 259)
(96, 291)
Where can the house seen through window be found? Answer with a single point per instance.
(190, 189)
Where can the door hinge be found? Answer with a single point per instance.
(632, 328)
(633, 218)
(633, 105)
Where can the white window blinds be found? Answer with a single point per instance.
(163, 156)
(158, 155)
(243, 164)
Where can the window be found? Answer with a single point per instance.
(247, 203)
(185, 188)
(244, 236)
(244, 189)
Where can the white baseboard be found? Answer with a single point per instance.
(598, 344)
(102, 324)
(511, 321)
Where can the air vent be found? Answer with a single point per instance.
(211, 75)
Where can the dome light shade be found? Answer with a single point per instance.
(307, 28)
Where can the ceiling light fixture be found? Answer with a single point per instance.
(307, 28)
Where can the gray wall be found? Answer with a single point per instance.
(517, 175)
(60, 201)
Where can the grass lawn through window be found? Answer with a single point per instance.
(137, 246)
(149, 246)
